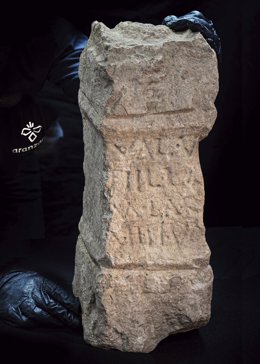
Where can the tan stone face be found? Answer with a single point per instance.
(142, 263)
(155, 194)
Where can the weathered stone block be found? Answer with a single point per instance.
(142, 262)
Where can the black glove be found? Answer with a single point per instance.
(196, 22)
(29, 300)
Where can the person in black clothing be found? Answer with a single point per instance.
(36, 76)
(39, 87)
(39, 84)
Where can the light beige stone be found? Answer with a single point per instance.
(142, 262)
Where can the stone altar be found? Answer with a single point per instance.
(142, 262)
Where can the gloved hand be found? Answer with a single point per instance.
(196, 22)
(29, 300)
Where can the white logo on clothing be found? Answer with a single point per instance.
(31, 131)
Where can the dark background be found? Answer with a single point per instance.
(229, 155)
(229, 159)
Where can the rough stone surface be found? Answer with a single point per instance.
(142, 262)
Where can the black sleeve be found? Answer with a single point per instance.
(64, 69)
(52, 55)
(29, 64)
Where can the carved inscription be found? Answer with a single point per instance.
(149, 235)
(152, 183)
(142, 263)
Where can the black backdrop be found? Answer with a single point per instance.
(229, 156)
